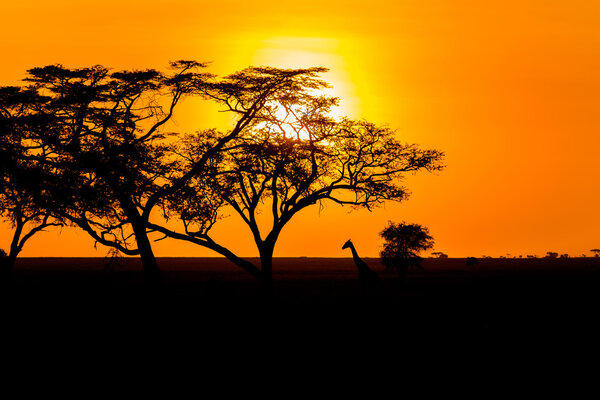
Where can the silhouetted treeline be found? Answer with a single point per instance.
(88, 147)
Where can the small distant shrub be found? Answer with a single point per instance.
(564, 256)
(471, 261)
(402, 244)
(551, 254)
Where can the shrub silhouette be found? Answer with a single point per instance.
(471, 261)
(402, 244)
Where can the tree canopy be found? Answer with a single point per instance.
(402, 244)
(99, 136)
(295, 157)
(108, 163)
(20, 179)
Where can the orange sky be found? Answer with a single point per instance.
(510, 91)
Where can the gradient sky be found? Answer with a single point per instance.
(509, 91)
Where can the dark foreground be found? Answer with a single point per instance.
(317, 302)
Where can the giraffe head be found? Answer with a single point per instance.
(347, 244)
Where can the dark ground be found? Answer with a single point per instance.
(211, 305)
(503, 293)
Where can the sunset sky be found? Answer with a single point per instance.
(509, 90)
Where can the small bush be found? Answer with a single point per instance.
(471, 261)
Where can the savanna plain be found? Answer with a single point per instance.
(496, 295)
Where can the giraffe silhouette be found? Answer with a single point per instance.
(369, 280)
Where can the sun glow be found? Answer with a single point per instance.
(289, 126)
(306, 52)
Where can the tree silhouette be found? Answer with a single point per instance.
(102, 136)
(20, 180)
(402, 244)
(295, 157)
(596, 252)
(98, 136)
(471, 261)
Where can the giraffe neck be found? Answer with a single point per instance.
(357, 259)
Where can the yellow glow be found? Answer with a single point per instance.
(306, 52)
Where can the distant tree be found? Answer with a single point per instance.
(531, 256)
(402, 244)
(596, 252)
(551, 254)
(564, 256)
(471, 261)
(297, 157)
(20, 179)
(439, 254)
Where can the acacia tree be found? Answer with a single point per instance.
(103, 139)
(19, 180)
(402, 244)
(298, 156)
(98, 136)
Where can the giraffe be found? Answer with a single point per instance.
(367, 277)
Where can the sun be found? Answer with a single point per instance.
(306, 52)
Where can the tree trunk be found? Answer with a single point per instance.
(265, 281)
(152, 275)
(7, 263)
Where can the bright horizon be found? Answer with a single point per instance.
(508, 91)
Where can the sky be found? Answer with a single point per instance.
(508, 90)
